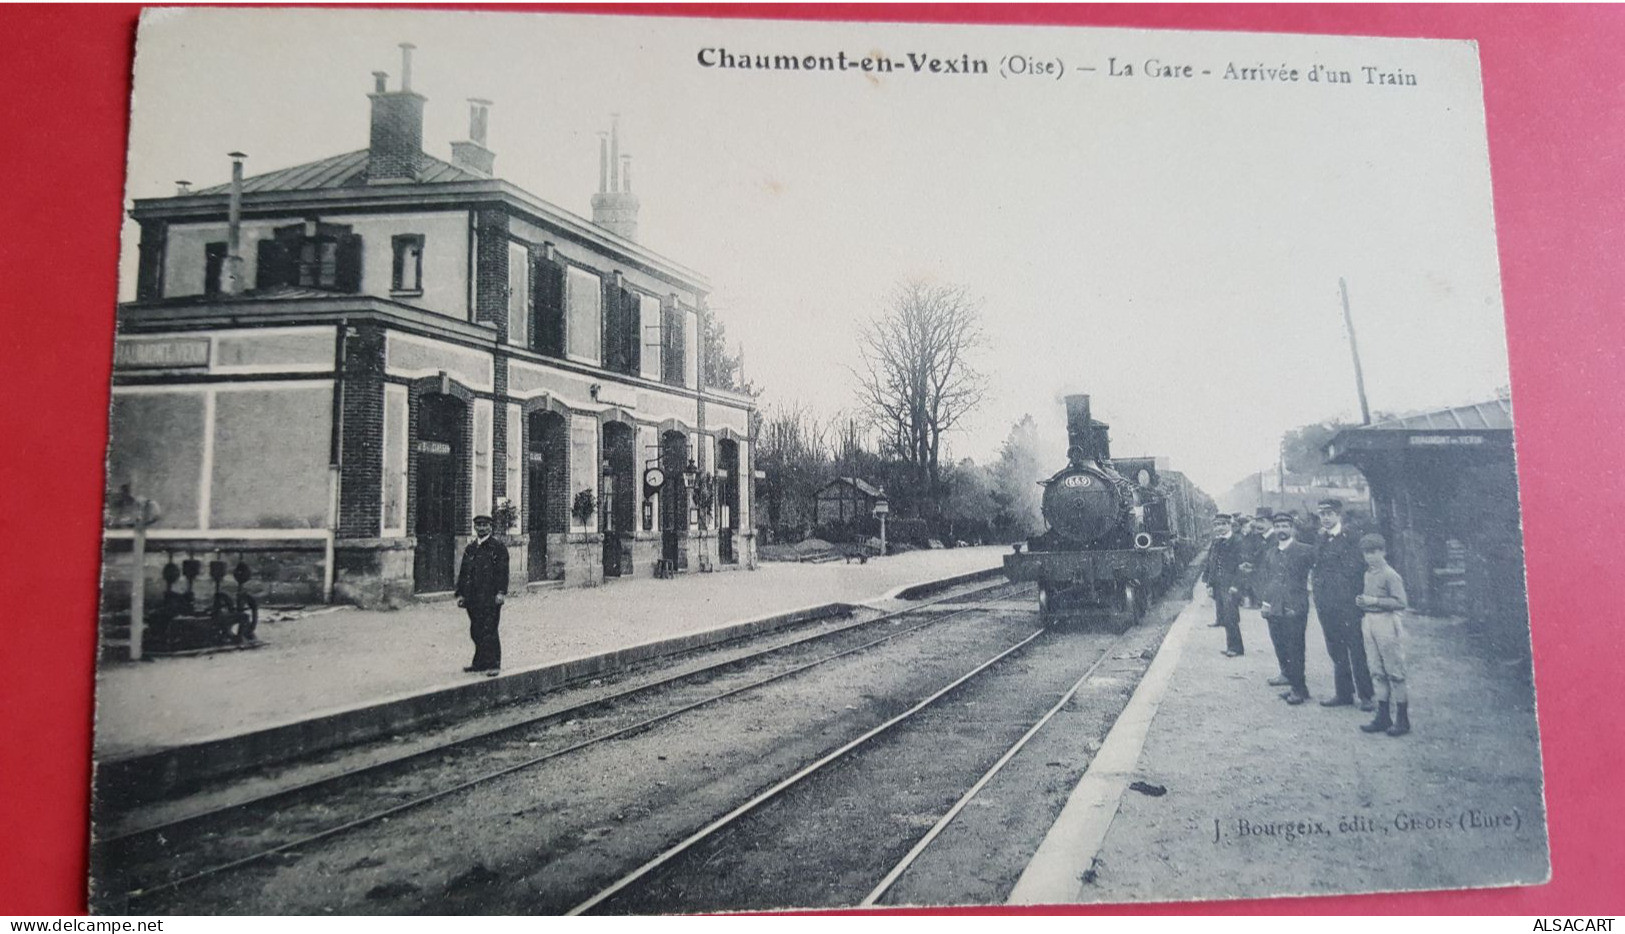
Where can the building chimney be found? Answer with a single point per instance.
(615, 207)
(1086, 439)
(396, 148)
(472, 154)
(182, 188)
(603, 163)
(232, 280)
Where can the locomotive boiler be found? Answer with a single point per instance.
(1118, 531)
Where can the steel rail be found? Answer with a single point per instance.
(965, 799)
(367, 819)
(787, 783)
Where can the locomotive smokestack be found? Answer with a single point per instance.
(1077, 427)
(1085, 437)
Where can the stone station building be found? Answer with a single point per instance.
(330, 369)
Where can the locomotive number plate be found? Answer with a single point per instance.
(1078, 479)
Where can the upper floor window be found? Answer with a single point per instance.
(407, 275)
(311, 255)
(649, 321)
(214, 268)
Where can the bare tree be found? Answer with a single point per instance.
(917, 379)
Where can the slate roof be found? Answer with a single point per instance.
(348, 170)
(859, 483)
(1484, 416)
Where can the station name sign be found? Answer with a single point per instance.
(161, 354)
(1445, 440)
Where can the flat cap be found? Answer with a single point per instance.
(1284, 517)
(1332, 503)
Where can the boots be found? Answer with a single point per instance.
(1402, 722)
(1381, 723)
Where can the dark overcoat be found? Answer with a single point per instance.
(1339, 574)
(1282, 578)
(484, 572)
(1223, 560)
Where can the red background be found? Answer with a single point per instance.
(1553, 89)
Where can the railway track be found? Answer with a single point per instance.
(622, 894)
(161, 859)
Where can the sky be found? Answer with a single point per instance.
(1170, 245)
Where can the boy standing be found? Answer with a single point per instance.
(1382, 601)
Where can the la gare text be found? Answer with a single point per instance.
(1262, 72)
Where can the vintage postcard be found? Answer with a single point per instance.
(566, 464)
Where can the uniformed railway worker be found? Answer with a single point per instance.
(1252, 548)
(1283, 579)
(1338, 578)
(1223, 575)
(482, 582)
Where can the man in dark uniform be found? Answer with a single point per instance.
(1283, 582)
(482, 582)
(1252, 548)
(1338, 578)
(1223, 576)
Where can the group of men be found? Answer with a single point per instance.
(1357, 596)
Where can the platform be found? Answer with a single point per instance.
(1209, 786)
(346, 675)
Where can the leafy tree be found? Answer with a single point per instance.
(968, 509)
(1016, 495)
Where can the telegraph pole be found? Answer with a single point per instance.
(1354, 348)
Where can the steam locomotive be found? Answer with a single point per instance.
(1118, 530)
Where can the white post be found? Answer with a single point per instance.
(883, 535)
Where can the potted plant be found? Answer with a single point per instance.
(583, 506)
(504, 517)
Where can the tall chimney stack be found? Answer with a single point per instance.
(615, 207)
(472, 154)
(406, 66)
(396, 147)
(603, 163)
(233, 278)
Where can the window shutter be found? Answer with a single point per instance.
(673, 357)
(349, 263)
(632, 331)
(548, 285)
(612, 326)
(272, 266)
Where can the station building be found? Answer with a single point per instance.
(331, 368)
(1444, 488)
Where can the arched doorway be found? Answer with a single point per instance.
(674, 497)
(728, 481)
(619, 498)
(547, 465)
(440, 460)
